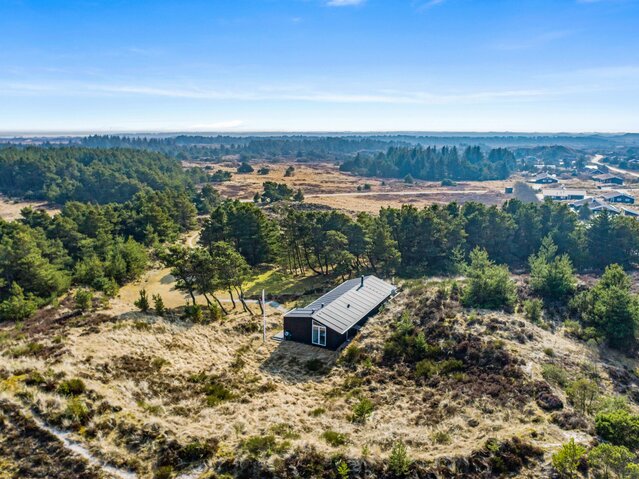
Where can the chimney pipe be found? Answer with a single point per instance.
(362, 281)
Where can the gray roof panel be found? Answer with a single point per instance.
(342, 307)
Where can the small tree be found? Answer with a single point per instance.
(489, 285)
(608, 459)
(551, 276)
(158, 304)
(533, 310)
(362, 410)
(398, 461)
(17, 307)
(83, 299)
(298, 196)
(611, 308)
(343, 471)
(142, 303)
(582, 394)
(566, 460)
(245, 168)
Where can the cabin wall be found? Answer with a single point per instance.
(333, 339)
(300, 330)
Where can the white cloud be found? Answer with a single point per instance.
(344, 3)
(217, 126)
(257, 93)
(535, 41)
(421, 5)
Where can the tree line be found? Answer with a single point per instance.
(434, 164)
(415, 242)
(61, 174)
(96, 246)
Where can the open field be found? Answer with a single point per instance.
(10, 209)
(324, 184)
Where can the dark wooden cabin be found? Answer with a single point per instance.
(336, 317)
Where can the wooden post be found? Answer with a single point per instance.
(263, 318)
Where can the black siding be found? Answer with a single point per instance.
(299, 329)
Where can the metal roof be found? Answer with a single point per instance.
(606, 176)
(614, 194)
(563, 192)
(342, 307)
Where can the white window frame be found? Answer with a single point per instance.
(321, 334)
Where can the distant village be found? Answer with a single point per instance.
(592, 189)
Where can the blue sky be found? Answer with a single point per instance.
(319, 65)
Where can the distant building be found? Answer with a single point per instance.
(544, 179)
(595, 205)
(563, 194)
(629, 212)
(609, 208)
(336, 317)
(618, 197)
(608, 179)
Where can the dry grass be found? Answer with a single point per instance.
(10, 209)
(323, 183)
(143, 367)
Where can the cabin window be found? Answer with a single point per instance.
(319, 335)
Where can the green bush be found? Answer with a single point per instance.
(554, 374)
(607, 459)
(217, 393)
(335, 439)
(352, 354)
(163, 472)
(264, 446)
(83, 299)
(72, 387)
(28, 349)
(441, 437)
(619, 427)
(77, 411)
(343, 471)
(427, 368)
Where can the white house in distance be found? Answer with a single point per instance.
(564, 194)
